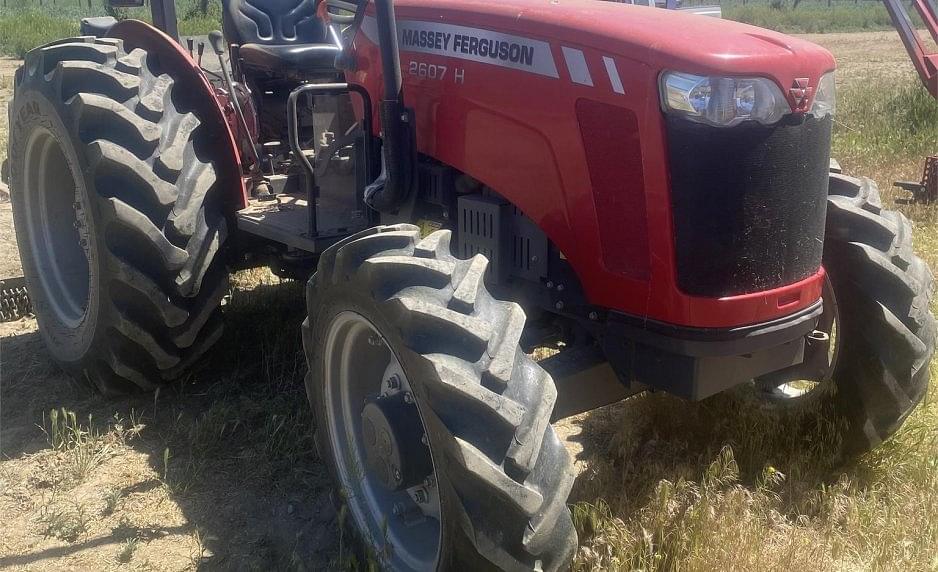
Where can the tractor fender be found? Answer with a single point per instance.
(137, 34)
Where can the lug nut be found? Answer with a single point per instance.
(398, 509)
(394, 382)
(559, 305)
(550, 284)
(409, 398)
(594, 316)
(560, 287)
(421, 496)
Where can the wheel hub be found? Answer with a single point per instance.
(392, 435)
(377, 437)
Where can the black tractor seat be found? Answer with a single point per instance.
(97, 26)
(280, 38)
(289, 60)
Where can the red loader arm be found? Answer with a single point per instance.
(926, 64)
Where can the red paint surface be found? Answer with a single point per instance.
(518, 133)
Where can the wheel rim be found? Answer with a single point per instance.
(57, 229)
(403, 526)
(788, 386)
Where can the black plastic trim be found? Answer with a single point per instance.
(700, 342)
(696, 363)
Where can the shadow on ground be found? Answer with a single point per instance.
(232, 444)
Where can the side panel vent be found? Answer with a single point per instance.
(436, 183)
(528, 248)
(481, 228)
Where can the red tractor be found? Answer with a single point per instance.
(647, 191)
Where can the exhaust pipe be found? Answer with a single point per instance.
(395, 185)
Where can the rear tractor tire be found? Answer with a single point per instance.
(877, 303)
(116, 215)
(435, 424)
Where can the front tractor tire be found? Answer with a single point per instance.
(118, 226)
(433, 421)
(877, 302)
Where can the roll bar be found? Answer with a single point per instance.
(163, 13)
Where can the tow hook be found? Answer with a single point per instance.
(817, 363)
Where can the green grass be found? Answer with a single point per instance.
(874, 128)
(811, 16)
(26, 24)
(23, 31)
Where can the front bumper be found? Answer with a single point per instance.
(696, 363)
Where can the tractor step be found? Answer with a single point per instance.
(14, 300)
(286, 220)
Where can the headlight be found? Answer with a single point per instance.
(825, 97)
(722, 101)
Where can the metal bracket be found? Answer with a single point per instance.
(925, 191)
(14, 299)
(585, 381)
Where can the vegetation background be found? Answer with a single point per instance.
(218, 471)
(25, 24)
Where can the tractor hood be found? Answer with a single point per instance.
(661, 39)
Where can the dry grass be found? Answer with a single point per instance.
(217, 470)
(707, 486)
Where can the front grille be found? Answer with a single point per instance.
(748, 204)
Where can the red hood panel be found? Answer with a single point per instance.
(555, 105)
(662, 39)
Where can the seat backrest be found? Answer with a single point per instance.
(272, 22)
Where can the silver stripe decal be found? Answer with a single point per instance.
(576, 65)
(613, 72)
(714, 11)
(473, 44)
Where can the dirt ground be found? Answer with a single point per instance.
(218, 471)
(865, 56)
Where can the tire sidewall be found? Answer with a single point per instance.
(329, 303)
(37, 107)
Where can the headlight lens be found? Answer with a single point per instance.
(825, 97)
(722, 101)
